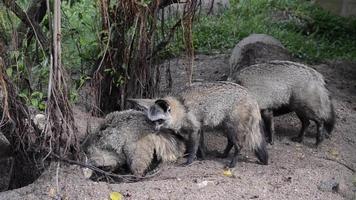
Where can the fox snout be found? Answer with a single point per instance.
(158, 126)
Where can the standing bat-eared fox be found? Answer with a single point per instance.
(217, 105)
(281, 87)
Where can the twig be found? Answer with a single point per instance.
(106, 16)
(165, 42)
(211, 7)
(11, 170)
(339, 162)
(126, 177)
(16, 9)
(57, 177)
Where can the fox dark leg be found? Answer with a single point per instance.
(227, 149)
(235, 156)
(194, 139)
(305, 125)
(232, 142)
(320, 133)
(261, 153)
(267, 116)
(202, 146)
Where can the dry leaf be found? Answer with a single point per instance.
(227, 172)
(52, 192)
(116, 196)
(301, 155)
(334, 153)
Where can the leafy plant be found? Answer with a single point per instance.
(35, 99)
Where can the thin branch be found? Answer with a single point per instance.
(126, 177)
(339, 162)
(164, 43)
(36, 12)
(107, 22)
(16, 9)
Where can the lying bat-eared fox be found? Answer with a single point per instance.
(128, 138)
(219, 105)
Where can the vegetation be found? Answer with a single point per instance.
(308, 31)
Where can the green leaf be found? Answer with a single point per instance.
(34, 102)
(9, 72)
(42, 106)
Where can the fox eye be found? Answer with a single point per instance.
(159, 121)
(169, 110)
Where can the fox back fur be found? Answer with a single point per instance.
(128, 137)
(284, 86)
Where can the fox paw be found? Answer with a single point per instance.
(270, 141)
(297, 139)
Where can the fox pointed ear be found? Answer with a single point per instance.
(163, 104)
(142, 104)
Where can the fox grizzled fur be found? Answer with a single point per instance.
(129, 138)
(211, 105)
(281, 87)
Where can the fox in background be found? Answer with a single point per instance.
(215, 105)
(282, 87)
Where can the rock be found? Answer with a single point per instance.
(204, 184)
(40, 121)
(257, 48)
(330, 185)
(206, 7)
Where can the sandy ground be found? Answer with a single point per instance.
(295, 171)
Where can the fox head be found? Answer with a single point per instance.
(164, 113)
(160, 114)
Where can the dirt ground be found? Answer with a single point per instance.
(295, 171)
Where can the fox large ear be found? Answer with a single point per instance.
(142, 104)
(163, 104)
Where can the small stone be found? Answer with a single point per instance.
(204, 184)
(330, 185)
(287, 179)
